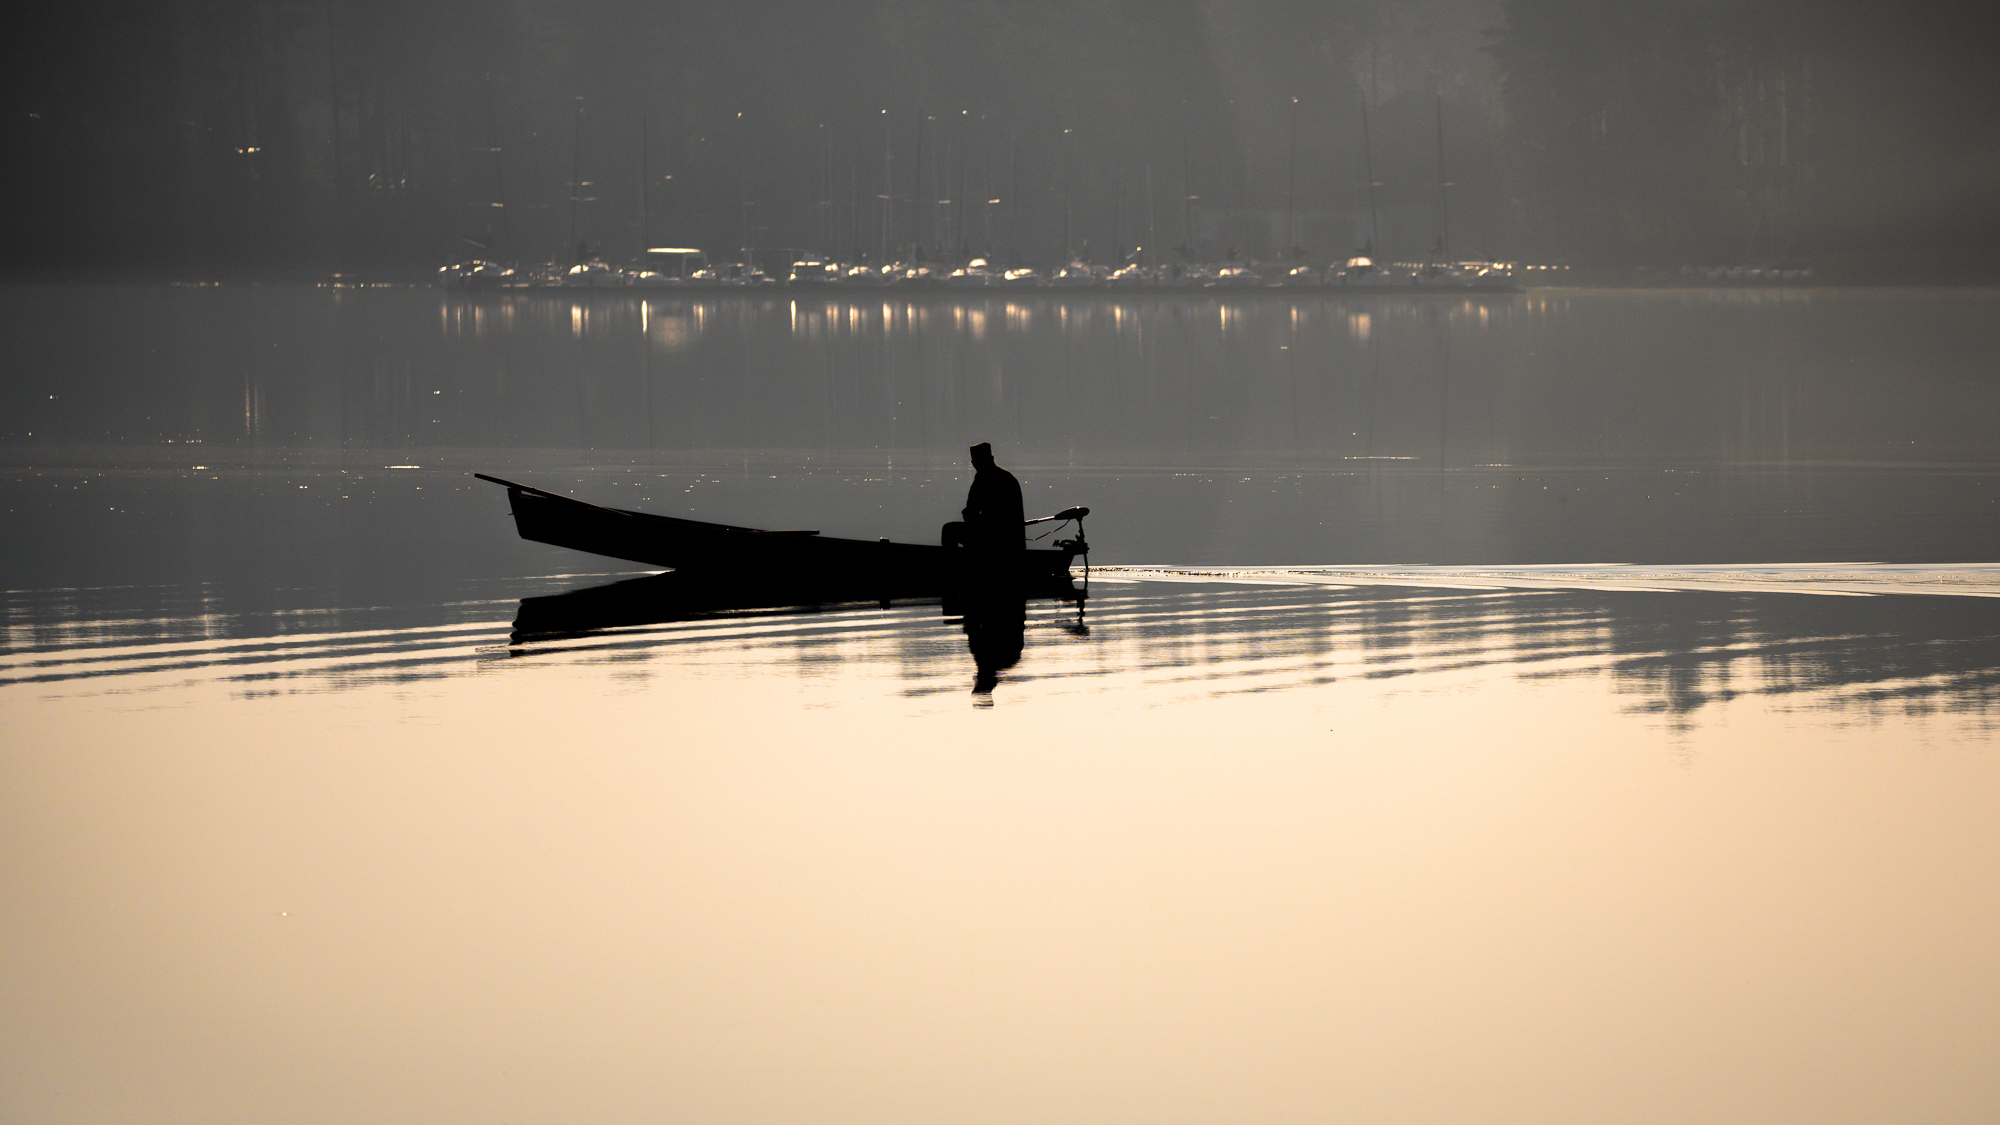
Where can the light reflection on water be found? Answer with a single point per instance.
(1553, 426)
(1695, 377)
(1666, 653)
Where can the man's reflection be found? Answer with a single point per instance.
(995, 622)
(995, 630)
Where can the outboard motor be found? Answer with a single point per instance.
(1076, 546)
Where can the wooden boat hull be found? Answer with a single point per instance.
(743, 553)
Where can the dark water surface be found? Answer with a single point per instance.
(1562, 707)
(1557, 426)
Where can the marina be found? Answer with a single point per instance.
(1357, 275)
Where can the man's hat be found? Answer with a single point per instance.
(983, 449)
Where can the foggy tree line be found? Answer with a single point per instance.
(1721, 130)
(369, 134)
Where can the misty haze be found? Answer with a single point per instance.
(547, 574)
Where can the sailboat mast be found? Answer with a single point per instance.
(1292, 186)
(645, 181)
(1368, 158)
(575, 173)
(917, 190)
(1069, 196)
(1444, 210)
(1013, 201)
(743, 190)
(1152, 238)
(1187, 194)
(1117, 238)
(499, 171)
(888, 185)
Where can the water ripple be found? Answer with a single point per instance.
(1175, 636)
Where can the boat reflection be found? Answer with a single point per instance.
(994, 619)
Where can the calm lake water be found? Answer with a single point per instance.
(1564, 707)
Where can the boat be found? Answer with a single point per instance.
(745, 275)
(1077, 275)
(919, 276)
(747, 553)
(667, 267)
(475, 277)
(814, 273)
(975, 274)
(866, 277)
(1131, 276)
(1440, 272)
(592, 274)
(1192, 275)
(1466, 277)
(1783, 272)
(1361, 272)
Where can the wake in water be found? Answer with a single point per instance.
(1979, 580)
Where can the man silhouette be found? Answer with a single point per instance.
(993, 518)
